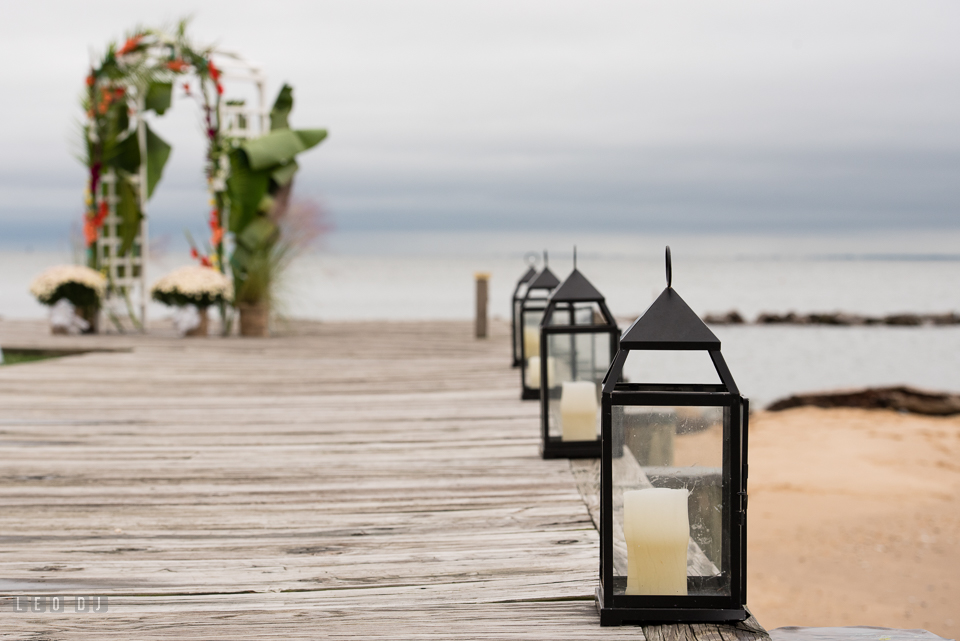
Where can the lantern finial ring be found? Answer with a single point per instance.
(544, 257)
(574, 256)
(669, 269)
(531, 258)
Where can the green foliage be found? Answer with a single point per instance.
(159, 97)
(80, 295)
(282, 107)
(261, 173)
(176, 299)
(158, 152)
(128, 210)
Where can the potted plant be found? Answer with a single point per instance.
(193, 289)
(259, 186)
(74, 294)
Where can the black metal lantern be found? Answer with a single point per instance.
(518, 293)
(578, 340)
(673, 520)
(531, 313)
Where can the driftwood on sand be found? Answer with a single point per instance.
(903, 399)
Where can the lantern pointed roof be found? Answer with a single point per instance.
(544, 280)
(669, 324)
(576, 287)
(527, 275)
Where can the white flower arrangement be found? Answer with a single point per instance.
(82, 286)
(193, 285)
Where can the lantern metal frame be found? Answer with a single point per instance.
(516, 302)
(575, 294)
(533, 307)
(669, 324)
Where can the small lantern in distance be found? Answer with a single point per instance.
(518, 293)
(673, 523)
(578, 340)
(531, 313)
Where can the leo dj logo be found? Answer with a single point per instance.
(60, 604)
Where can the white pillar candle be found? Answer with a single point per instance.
(533, 371)
(578, 411)
(531, 341)
(657, 531)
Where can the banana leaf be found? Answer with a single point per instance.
(247, 189)
(126, 156)
(279, 147)
(158, 152)
(159, 97)
(259, 234)
(284, 174)
(128, 211)
(282, 107)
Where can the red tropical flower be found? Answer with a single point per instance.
(130, 45)
(214, 72)
(89, 231)
(92, 223)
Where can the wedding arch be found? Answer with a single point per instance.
(249, 154)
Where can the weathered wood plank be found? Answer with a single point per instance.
(333, 482)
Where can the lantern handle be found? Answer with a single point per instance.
(531, 258)
(544, 258)
(669, 269)
(574, 257)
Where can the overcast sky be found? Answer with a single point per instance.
(771, 116)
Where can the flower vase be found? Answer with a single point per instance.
(253, 318)
(203, 329)
(92, 316)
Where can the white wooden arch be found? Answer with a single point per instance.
(126, 274)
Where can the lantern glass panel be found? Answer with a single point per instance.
(518, 331)
(575, 363)
(531, 344)
(668, 484)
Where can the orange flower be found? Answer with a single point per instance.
(89, 231)
(101, 215)
(216, 231)
(186, 88)
(90, 80)
(177, 65)
(130, 45)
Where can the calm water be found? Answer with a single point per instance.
(430, 276)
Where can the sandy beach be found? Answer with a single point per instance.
(855, 519)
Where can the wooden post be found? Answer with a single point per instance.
(483, 280)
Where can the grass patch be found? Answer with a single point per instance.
(15, 357)
(18, 355)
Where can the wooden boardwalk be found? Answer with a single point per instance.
(341, 481)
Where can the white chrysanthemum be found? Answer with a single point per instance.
(46, 284)
(194, 282)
